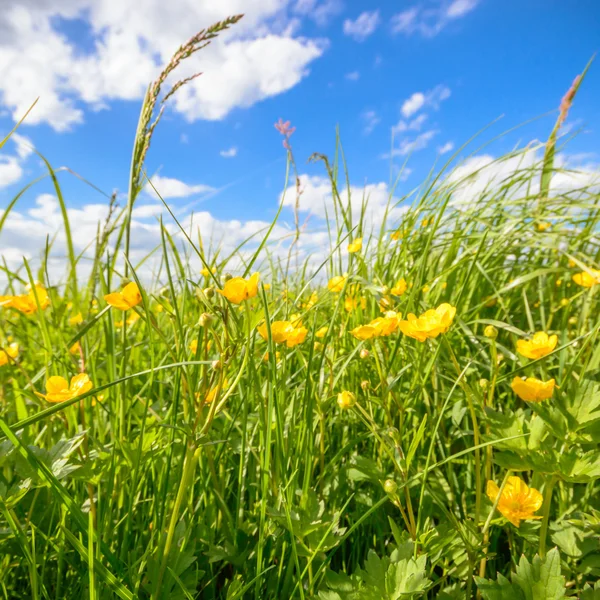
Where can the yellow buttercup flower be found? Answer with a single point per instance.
(212, 393)
(385, 303)
(74, 349)
(355, 246)
(206, 272)
(321, 333)
(59, 390)
(76, 320)
(346, 399)
(532, 389)
(387, 324)
(336, 284)
(280, 330)
(543, 225)
(430, 324)
(238, 289)
(365, 332)
(9, 354)
(540, 345)
(314, 297)
(400, 287)
(128, 298)
(26, 303)
(296, 336)
(517, 502)
(351, 303)
(586, 279)
(396, 235)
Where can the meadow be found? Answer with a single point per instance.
(413, 413)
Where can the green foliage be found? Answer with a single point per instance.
(538, 580)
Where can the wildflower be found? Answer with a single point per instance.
(542, 226)
(9, 354)
(280, 330)
(444, 285)
(532, 389)
(426, 288)
(558, 282)
(212, 393)
(564, 302)
(26, 303)
(267, 286)
(238, 289)
(385, 303)
(365, 384)
(337, 283)
(430, 324)
(365, 332)
(128, 298)
(285, 129)
(346, 399)
(206, 272)
(351, 303)
(321, 333)
(74, 349)
(296, 336)
(314, 297)
(59, 390)
(387, 324)
(396, 235)
(318, 346)
(540, 345)
(517, 502)
(490, 332)
(364, 353)
(76, 320)
(399, 288)
(355, 246)
(586, 279)
(277, 356)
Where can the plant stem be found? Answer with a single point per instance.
(546, 514)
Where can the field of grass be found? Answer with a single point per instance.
(303, 436)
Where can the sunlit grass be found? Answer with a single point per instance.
(273, 424)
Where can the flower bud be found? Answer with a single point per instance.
(318, 346)
(483, 384)
(385, 290)
(227, 276)
(390, 486)
(209, 292)
(216, 365)
(490, 332)
(365, 385)
(205, 319)
(364, 353)
(564, 302)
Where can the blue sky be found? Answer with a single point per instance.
(436, 70)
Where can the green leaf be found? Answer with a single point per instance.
(540, 580)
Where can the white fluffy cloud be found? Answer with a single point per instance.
(169, 187)
(371, 120)
(256, 59)
(320, 11)
(11, 166)
(428, 21)
(433, 98)
(363, 26)
(229, 153)
(353, 76)
(445, 148)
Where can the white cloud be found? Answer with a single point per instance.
(371, 120)
(169, 187)
(363, 27)
(11, 166)
(320, 12)
(10, 170)
(256, 59)
(445, 148)
(433, 98)
(415, 124)
(229, 153)
(353, 76)
(429, 21)
(409, 146)
(316, 200)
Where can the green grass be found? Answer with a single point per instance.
(140, 489)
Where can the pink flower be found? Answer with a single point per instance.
(286, 131)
